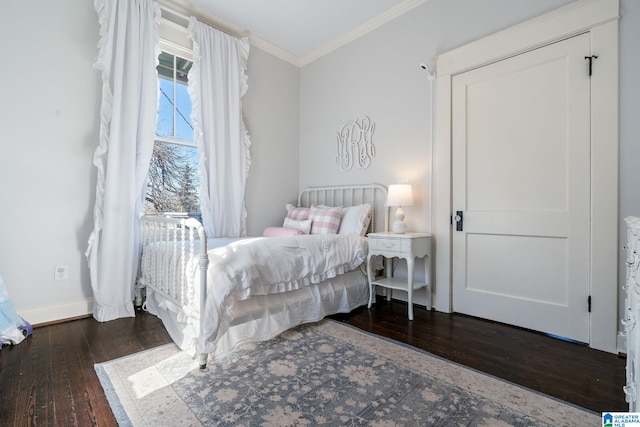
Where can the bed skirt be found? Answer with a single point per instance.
(263, 317)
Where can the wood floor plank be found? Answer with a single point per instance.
(83, 393)
(31, 390)
(93, 397)
(61, 339)
(42, 388)
(9, 371)
(15, 370)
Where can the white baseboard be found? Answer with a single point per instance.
(622, 343)
(57, 313)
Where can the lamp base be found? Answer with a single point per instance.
(399, 227)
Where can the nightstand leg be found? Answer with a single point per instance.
(370, 278)
(427, 278)
(410, 266)
(388, 272)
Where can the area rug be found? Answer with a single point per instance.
(327, 374)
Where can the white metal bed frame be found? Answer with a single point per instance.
(179, 237)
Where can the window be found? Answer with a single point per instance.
(173, 187)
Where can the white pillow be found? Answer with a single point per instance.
(355, 219)
(302, 225)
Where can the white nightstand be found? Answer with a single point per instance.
(408, 246)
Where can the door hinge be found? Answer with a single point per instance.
(589, 303)
(591, 58)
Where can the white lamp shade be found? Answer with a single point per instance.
(399, 195)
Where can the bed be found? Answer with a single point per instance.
(213, 294)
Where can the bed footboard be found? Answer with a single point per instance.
(167, 246)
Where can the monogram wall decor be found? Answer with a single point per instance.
(355, 146)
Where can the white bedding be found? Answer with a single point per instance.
(257, 267)
(268, 265)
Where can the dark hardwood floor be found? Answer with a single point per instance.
(49, 378)
(568, 371)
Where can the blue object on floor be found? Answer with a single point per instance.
(13, 328)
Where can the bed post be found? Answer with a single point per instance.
(144, 233)
(204, 264)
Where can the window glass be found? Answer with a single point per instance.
(173, 187)
(173, 180)
(184, 127)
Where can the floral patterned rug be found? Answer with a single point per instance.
(328, 374)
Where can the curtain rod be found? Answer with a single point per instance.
(174, 12)
(199, 16)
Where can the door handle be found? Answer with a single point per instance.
(458, 219)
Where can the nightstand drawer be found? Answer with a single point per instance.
(389, 245)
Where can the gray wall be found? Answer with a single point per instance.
(271, 115)
(50, 119)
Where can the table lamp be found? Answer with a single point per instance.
(399, 195)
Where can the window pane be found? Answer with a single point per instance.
(165, 65)
(182, 69)
(184, 128)
(174, 106)
(174, 185)
(164, 126)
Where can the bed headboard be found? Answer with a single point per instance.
(351, 195)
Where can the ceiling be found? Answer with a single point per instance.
(303, 30)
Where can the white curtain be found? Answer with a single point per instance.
(128, 55)
(217, 82)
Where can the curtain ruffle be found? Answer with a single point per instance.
(243, 47)
(106, 109)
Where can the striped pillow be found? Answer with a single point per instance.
(325, 221)
(303, 225)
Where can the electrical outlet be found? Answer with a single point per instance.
(61, 272)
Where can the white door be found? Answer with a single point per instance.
(521, 178)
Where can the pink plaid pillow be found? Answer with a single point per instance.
(298, 214)
(325, 221)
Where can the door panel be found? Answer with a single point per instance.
(521, 175)
(538, 262)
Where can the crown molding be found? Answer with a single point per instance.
(185, 7)
(374, 23)
(274, 50)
